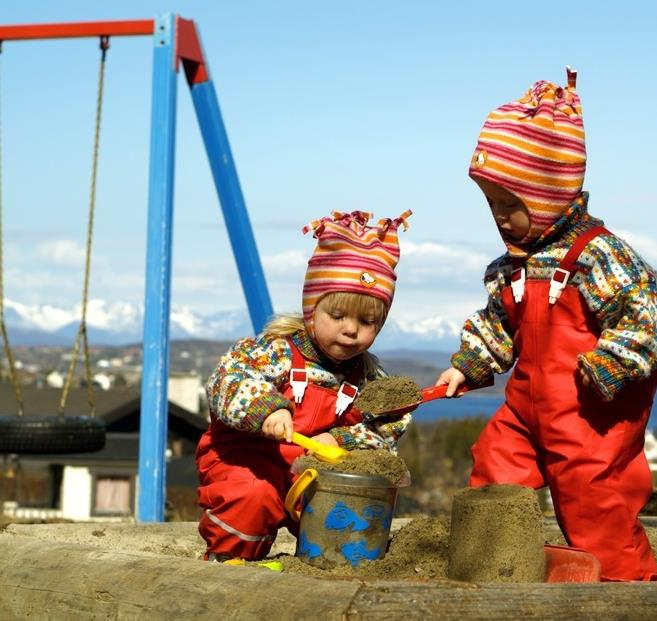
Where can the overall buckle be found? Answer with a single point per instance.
(518, 284)
(346, 396)
(558, 283)
(298, 381)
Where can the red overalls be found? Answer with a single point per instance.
(244, 477)
(553, 430)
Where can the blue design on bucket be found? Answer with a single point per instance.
(373, 512)
(307, 508)
(356, 551)
(378, 513)
(341, 517)
(306, 547)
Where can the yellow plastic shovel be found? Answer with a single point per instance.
(323, 452)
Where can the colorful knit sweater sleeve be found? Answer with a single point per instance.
(621, 290)
(486, 339)
(245, 386)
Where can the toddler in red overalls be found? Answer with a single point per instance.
(575, 309)
(300, 374)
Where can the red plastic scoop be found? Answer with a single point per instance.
(431, 393)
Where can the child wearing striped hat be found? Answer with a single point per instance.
(301, 374)
(572, 309)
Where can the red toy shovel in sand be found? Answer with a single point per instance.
(431, 393)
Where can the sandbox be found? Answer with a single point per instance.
(153, 572)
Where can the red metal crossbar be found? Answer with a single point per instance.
(81, 29)
(188, 45)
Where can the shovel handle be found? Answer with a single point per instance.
(438, 392)
(304, 441)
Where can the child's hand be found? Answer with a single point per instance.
(278, 426)
(586, 380)
(453, 378)
(325, 438)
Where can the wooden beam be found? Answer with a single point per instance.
(75, 582)
(458, 601)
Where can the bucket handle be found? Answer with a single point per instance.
(299, 487)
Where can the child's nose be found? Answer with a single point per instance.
(350, 326)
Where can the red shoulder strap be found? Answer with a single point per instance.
(568, 262)
(298, 361)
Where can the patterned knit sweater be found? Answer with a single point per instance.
(246, 387)
(619, 288)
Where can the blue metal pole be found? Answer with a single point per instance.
(236, 217)
(154, 399)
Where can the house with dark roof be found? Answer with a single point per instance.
(100, 485)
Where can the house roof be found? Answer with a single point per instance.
(119, 409)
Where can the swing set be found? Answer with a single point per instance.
(176, 42)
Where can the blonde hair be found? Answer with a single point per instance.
(351, 303)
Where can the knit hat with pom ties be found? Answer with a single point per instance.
(352, 257)
(534, 148)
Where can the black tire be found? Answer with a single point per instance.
(51, 434)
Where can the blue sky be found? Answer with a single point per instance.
(372, 105)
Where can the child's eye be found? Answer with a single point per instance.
(368, 321)
(336, 315)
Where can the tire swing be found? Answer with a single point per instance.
(60, 433)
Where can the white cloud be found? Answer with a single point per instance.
(110, 316)
(448, 255)
(435, 265)
(187, 319)
(62, 253)
(199, 283)
(431, 326)
(45, 317)
(285, 263)
(645, 245)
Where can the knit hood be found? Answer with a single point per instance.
(534, 148)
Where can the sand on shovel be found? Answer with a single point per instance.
(388, 393)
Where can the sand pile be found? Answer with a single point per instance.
(373, 462)
(418, 550)
(496, 535)
(388, 393)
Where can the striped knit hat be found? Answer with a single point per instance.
(534, 148)
(352, 257)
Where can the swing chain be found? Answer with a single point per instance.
(82, 330)
(5, 337)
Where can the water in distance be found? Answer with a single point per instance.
(471, 405)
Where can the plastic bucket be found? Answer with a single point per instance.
(344, 518)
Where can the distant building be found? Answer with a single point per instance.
(104, 381)
(185, 389)
(55, 379)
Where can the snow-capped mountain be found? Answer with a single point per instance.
(122, 323)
